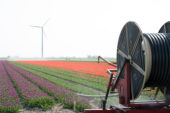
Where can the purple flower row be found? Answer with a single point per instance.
(8, 94)
(28, 89)
(60, 91)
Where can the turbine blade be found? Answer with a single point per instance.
(46, 22)
(37, 26)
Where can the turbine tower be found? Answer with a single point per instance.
(42, 35)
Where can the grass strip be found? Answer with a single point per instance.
(42, 102)
(69, 77)
(68, 103)
(71, 86)
(89, 77)
(5, 109)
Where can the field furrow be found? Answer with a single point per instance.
(8, 94)
(71, 86)
(62, 94)
(67, 77)
(89, 77)
(31, 95)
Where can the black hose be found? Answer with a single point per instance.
(160, 70)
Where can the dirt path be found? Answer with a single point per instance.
(56, 109)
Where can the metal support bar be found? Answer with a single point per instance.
(98, 96)
(118, 108)
(156, 93)
(110, 71)
(118, 74)
(108, 62)
(113, 84)
(107, 92)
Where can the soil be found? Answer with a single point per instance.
(56, 109)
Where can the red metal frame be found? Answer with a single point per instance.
(123, 87)
(130, 111)
(110, 63)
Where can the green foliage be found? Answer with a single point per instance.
(16, 87)
(76, 106)
(41, 87)
(43, 102)
(148, 94)
(68, 75)
(80, 107)
(69, 105)
(4, 109)
(62, 82)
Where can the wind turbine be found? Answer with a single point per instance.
(42, 35)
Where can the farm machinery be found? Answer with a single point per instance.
(143, 61)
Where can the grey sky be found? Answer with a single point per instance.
(76, 27)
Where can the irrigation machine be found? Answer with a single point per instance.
(143, 61)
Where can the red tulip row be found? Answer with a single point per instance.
(93, 68)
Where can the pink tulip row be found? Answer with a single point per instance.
(28, 89)
(8, 94)
(61, 92)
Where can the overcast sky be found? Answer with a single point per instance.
(75, 27)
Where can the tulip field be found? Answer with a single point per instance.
(25, 85)
(93, 68)
(42, 84)
(87, 83)
(8, 94)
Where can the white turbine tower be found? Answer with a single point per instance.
(42, 34)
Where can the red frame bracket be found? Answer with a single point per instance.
(123, 87)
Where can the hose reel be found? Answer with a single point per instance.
(149, 57)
